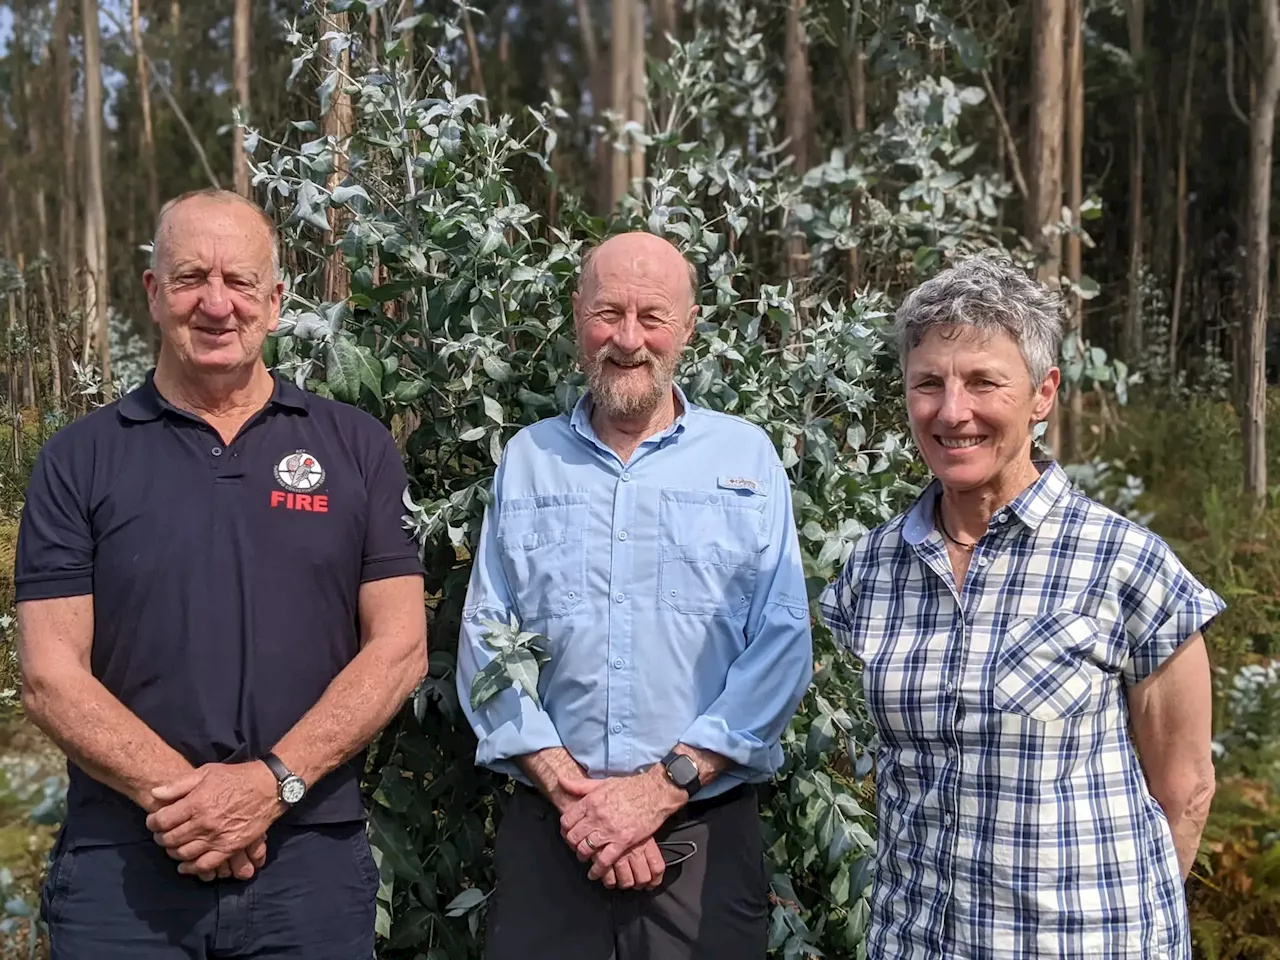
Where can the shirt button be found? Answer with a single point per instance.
(983, 561)
(620, 597)
(714, 498)
(617, 728)
(946, 818)
(216, 451)
(951, 687)
(622, 534)
(1003, 518)
(626, 476)
(618, 663)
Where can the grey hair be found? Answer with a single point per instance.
(225, 196)
(986, 292)
(584, 264)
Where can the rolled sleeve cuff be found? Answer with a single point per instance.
(1192, 616)
(53, 587)
(760, 760)
(390, 567)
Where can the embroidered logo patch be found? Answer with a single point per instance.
(741, 483)
(299, 472)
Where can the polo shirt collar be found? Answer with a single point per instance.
(1032, 506)
(145, 403)
(580, 418)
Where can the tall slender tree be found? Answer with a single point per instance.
(239, 159)
(148, 143)
(95, 234)
(1073, 438)
(1131, 337)
(1261, 138)
(338, 121)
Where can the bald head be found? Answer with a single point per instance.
(187, 211)
(640, 254)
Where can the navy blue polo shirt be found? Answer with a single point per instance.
(225, 578)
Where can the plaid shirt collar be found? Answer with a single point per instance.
(1032, 506)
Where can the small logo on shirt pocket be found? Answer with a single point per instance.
(740, 483)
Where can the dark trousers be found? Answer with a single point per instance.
(713, 906)
(312, 899)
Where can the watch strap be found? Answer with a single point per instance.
(277, 768)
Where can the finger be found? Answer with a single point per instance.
(204, 874)
(606, 858)
(626, 877)
(205, 864)
(180, 835)
(190, 851)
(582, 786)
(610, 879)
(224, 871)
(572, 817)
(240, 866)
(657, 865)
(179, 788)
(257, 852)
(580, 831)
(639, 867)
(167, 818)
(583, 852)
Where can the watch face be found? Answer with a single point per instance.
(683, 771)
(292, 789)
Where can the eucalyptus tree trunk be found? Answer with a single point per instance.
(148, 134)
(798, 103)
(1073, 435)
(1184, 136)
(627, 89)
(67, 216)
(1132, 333)
(1044, 203)
(95, 236)
(239, 159)
(1261, 135)
(338, 122)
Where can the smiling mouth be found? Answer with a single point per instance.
(959, 443)
(628, 366)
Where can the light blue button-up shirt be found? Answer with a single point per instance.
(670, 588)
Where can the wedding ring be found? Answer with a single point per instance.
(589, 843)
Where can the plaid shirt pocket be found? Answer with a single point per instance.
(1044, 669)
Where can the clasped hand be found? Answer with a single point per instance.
(215, 818)
(619, 816)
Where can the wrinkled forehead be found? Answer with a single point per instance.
(213, 234)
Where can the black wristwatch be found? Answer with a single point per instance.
(290, 787)
(682, 771)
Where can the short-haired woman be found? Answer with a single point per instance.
(1033, 662)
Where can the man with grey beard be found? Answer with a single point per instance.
(652, 543)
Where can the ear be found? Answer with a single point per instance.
(277, 297)
(690, 322)
(1046, 394)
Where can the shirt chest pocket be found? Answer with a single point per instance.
(1045, 668)
(709, 547)
(544, 553)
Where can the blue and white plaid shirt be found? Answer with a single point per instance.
(1015, 822)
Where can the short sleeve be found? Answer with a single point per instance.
(54, 556)
(389, 548)
(1162, 606)
(839, 602)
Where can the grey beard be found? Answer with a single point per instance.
(625, 404)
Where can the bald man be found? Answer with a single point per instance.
(651, 541)
(218, 608)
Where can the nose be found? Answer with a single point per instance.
(214, 301)
(955, 405)
(628, 334)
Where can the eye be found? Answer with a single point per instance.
(928, 383)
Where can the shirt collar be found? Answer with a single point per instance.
(1031, 506)
(145, 403)
(580, 419)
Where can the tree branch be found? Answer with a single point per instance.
(168, 95)
(1010, 144)
(1231, 66)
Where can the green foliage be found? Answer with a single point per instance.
(457, 333)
